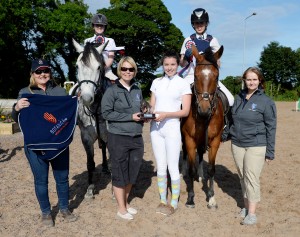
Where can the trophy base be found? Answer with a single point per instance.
(147, 116)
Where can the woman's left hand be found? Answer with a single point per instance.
(268, 160)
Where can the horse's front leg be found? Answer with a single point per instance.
(190, 172)
(200, 151)
(105, 168)
(212, 203)
(102, 130)
(88, 144)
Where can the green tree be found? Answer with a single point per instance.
(280, 66)
(233, 84)
(57, 22)
(16, 22)
(144, 27)
(44, 28)
(38, 28)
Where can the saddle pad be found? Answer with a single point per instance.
(49, 122)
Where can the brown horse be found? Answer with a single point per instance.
(203, 127)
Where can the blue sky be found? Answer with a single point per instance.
(274, 21)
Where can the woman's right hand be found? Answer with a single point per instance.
(21, 104)
(136, 117)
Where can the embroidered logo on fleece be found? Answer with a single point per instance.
(253, 107)
(50, 117)
(138, 97)
(59, 125)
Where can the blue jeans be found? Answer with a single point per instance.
(40, 170)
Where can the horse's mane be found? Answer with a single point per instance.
(90, 49)
(209, 56)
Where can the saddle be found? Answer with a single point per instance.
(225, 102)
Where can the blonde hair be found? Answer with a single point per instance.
(32, 82)
(131, 61)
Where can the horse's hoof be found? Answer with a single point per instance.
(190, 204)
(89, 196)
(212, 203)
(212, 207)
(90, 192)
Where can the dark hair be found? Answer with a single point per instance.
(259, 74)
(170, 54)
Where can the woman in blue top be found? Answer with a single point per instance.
(253, 138)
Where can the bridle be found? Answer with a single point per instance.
(206, 96)
(87, 109)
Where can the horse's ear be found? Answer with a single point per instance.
(196, 54)
(219, 53)
(77, 46)
(195, 51)
(102, 47)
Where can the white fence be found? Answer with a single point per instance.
(6, 105)
(298, 105)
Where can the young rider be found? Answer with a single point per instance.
(99, 24)
(202, 40)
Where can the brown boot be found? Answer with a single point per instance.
(168, 210)
(160, 208)
(68, 216)
(47, 220)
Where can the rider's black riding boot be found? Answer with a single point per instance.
(228, 122)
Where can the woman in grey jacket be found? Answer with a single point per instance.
(253, 138)
(121, 106)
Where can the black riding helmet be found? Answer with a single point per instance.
(99, 19)
(199, 15)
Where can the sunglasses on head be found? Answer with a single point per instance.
(124, 69)
(39, 71)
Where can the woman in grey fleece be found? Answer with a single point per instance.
(120, 106)
(253, 138)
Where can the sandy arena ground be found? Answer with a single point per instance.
(278, 212)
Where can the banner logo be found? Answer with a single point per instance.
(50, 118)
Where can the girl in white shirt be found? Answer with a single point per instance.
(170, 101)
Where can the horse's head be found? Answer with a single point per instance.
(90, 67)
(206, 79)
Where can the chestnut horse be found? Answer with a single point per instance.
(203, 127)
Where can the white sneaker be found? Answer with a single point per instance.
(250, 219)
(132, 211)
(243, 213)
(126, 216)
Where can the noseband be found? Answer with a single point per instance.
(96, 85)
